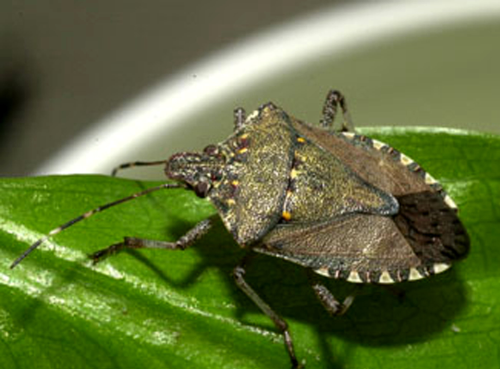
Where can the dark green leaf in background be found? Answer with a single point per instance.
(161, 309)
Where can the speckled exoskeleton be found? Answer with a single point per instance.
(340, 204)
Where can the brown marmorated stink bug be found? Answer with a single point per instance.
(340, 204)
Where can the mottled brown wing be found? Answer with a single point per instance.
(373, 248)
(376, 163)
(250, 199)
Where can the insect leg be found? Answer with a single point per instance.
(329, 302)
(334, 99)
(136, 164)
(239, 118)
(238, 274)
(139, 243)
(90, 213)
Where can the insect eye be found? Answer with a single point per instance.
(210, 150)
(201, 189)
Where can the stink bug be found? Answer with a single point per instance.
(340, 204)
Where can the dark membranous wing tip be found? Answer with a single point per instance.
(432, 228)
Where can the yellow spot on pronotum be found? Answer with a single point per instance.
(300, 157)
(286, 215)
(242, 150)
(301, 139)
(244, 135)
(231, 202)
(235, 183)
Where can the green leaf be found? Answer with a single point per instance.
(173, 309)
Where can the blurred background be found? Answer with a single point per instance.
(67, 68)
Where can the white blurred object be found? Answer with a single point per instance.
(331, 30)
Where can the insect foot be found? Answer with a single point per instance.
(340, 204)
